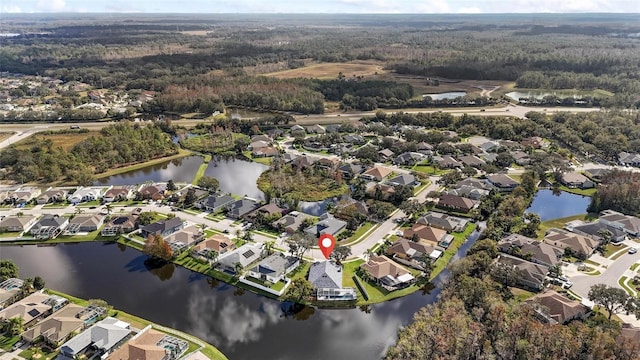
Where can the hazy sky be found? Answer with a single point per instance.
(321, 6)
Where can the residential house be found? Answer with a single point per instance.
(51, 196)
(489, 146)
(10, 291)
(153, 192)
(305, 161)
(457, 203)
(327, 225)
(427, 234)
(413, 251)
(446, 162)
(353, 139)
(117, 194)
(531, 249)
(150, 344)
(288, 157)
(596, 174)
(49, 226)
(315, 129)
(326, 277)
(239, 208)
(521, 158)
(186, 236)
(386, 154)
(120, 224)
(443, 221)
(476, 183)
(261, 137)
(628, 159)
(403, 180)
(85, 194)
(16, 223)
(595, 229)
(259, 144)
(468, 192)
(578, 244)
(273, 268)
(244, 255)
(379, 191)
(164, 227)
(58, 327)
(297, 128)
(32, 308)
(327, 163)
(425, 148)
(216, 202)
(274, 133)
(471, 160)
(268, 151)
(502, 182)
(291, 222)
(218, 243)
(554, 308)
(266, 211)
(532, 275)
(630, 224)
(85, 223)
(534, 142)
(386, 272)
(24, 195)
(349, 208)
(489, 157)
(376, 173)
(408, 158)
(350, 170)
(576, 180)
(103, 337)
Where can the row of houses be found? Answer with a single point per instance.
(50, 226)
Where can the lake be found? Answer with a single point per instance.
(236, 176)
(241, 324)
(550, 206)
(446, 95)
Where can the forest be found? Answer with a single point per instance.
(224, 64)
(118, 145)
(619, 191)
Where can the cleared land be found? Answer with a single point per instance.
(5, 135)
(330, 70)
(65, 141)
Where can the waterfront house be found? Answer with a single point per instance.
(153, 192)
(291, 222)
(326, 277)
(413, 251)
(16, 223)
(164, 227)
(274, 267)
(186, 236)
(428, 235)
(51, 196)
(218, 243)
(49, 226)
(33, 307)
(10, 291)
(150, 344)
(103, 338)
(386, 272)
(245, 255)
(216, 202)
(576, 180)
(85, 223)
(120, 224)
(596, 174)
(267, 210)
(327, 225)
(502, 182)
(443, 221)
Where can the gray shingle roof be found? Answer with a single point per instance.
(325, 275)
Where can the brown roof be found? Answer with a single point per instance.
(564, 239)
(113, 192)
(378, 172)
(142, 347)
(560, 308)
(217, 243)
(58, 326)
(381, 266)
(425, 233)
(457, 202)
(404, 247)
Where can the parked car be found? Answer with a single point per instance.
(633, 250)
(17, 345)
(567, 284)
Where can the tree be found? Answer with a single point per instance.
(411, 207)
(300, 290)
(27, 287)
(299, 244)
(340, 253)
(209, 183)
(15, 325)
(171, 186)
(146, 218)
(268, 246)
(109, 208)
(505, 274)
(156, 247)
(555, 271)
(610, 298)
(38, 283)
(469, 171)
(8, 269)
(190, 197)
(238, 268)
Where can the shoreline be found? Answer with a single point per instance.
(117, 171)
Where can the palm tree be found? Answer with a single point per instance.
(212, 256)
(109, 208)
(238, 268)
(268, 246)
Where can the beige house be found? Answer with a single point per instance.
(57, 328)
(17, 223)
(387, 272)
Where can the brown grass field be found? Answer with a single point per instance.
(330, 70)
(65, 141)
(5, 135)
(472, 87)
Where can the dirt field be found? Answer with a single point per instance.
(330, 70)
(5, 135)
(66, 141)
(471, 87)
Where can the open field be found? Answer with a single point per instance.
(330, 70)
(420, 85)
(509, 87)
(5, 135)
(65, 141)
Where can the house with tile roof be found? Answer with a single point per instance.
(376, 173)
(443, 221)
(326, 277)
(218, 243)
(17, 223)
(85, 223)
(274, 267)
(413, 251)
(457, 203)
(245, 255)
(32, 308)
(150, 344)
(163, 227)
(576, 180)
(51, 196)
(427, 234)
(386, 272)
(58, 327)
(578, 244)
(532, 275)
(630, 224)
(49, 226)
(554, 308)
(533, 250)
(291, 222)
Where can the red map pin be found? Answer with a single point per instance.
(326, 242)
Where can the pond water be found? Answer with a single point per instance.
(178, 170)
(237, 176)
(241, 324)
(550, 206)
(446, 95)
(540, 94)
(315, 208)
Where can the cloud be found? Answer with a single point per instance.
(11, 9)
(51, 5)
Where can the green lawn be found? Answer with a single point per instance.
(583, 192)
(558, 223)
(7, 342)
(634, 267)
(352, 240)
(376, 293)
(424, 185)
(203, 167)
(429, 169)
(622, 249)
(458, 240)
(626, 288)
(590, 262)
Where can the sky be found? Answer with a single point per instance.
(321, 6)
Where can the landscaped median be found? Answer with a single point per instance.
(195, 343)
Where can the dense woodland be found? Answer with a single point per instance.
(117, 145)
(619, 191)
(221, 65)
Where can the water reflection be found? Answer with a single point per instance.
(237, 176)
(179, 170)
(550, 204)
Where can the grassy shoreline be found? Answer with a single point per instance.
(203, 167)
(209, 350)
(181, 153)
